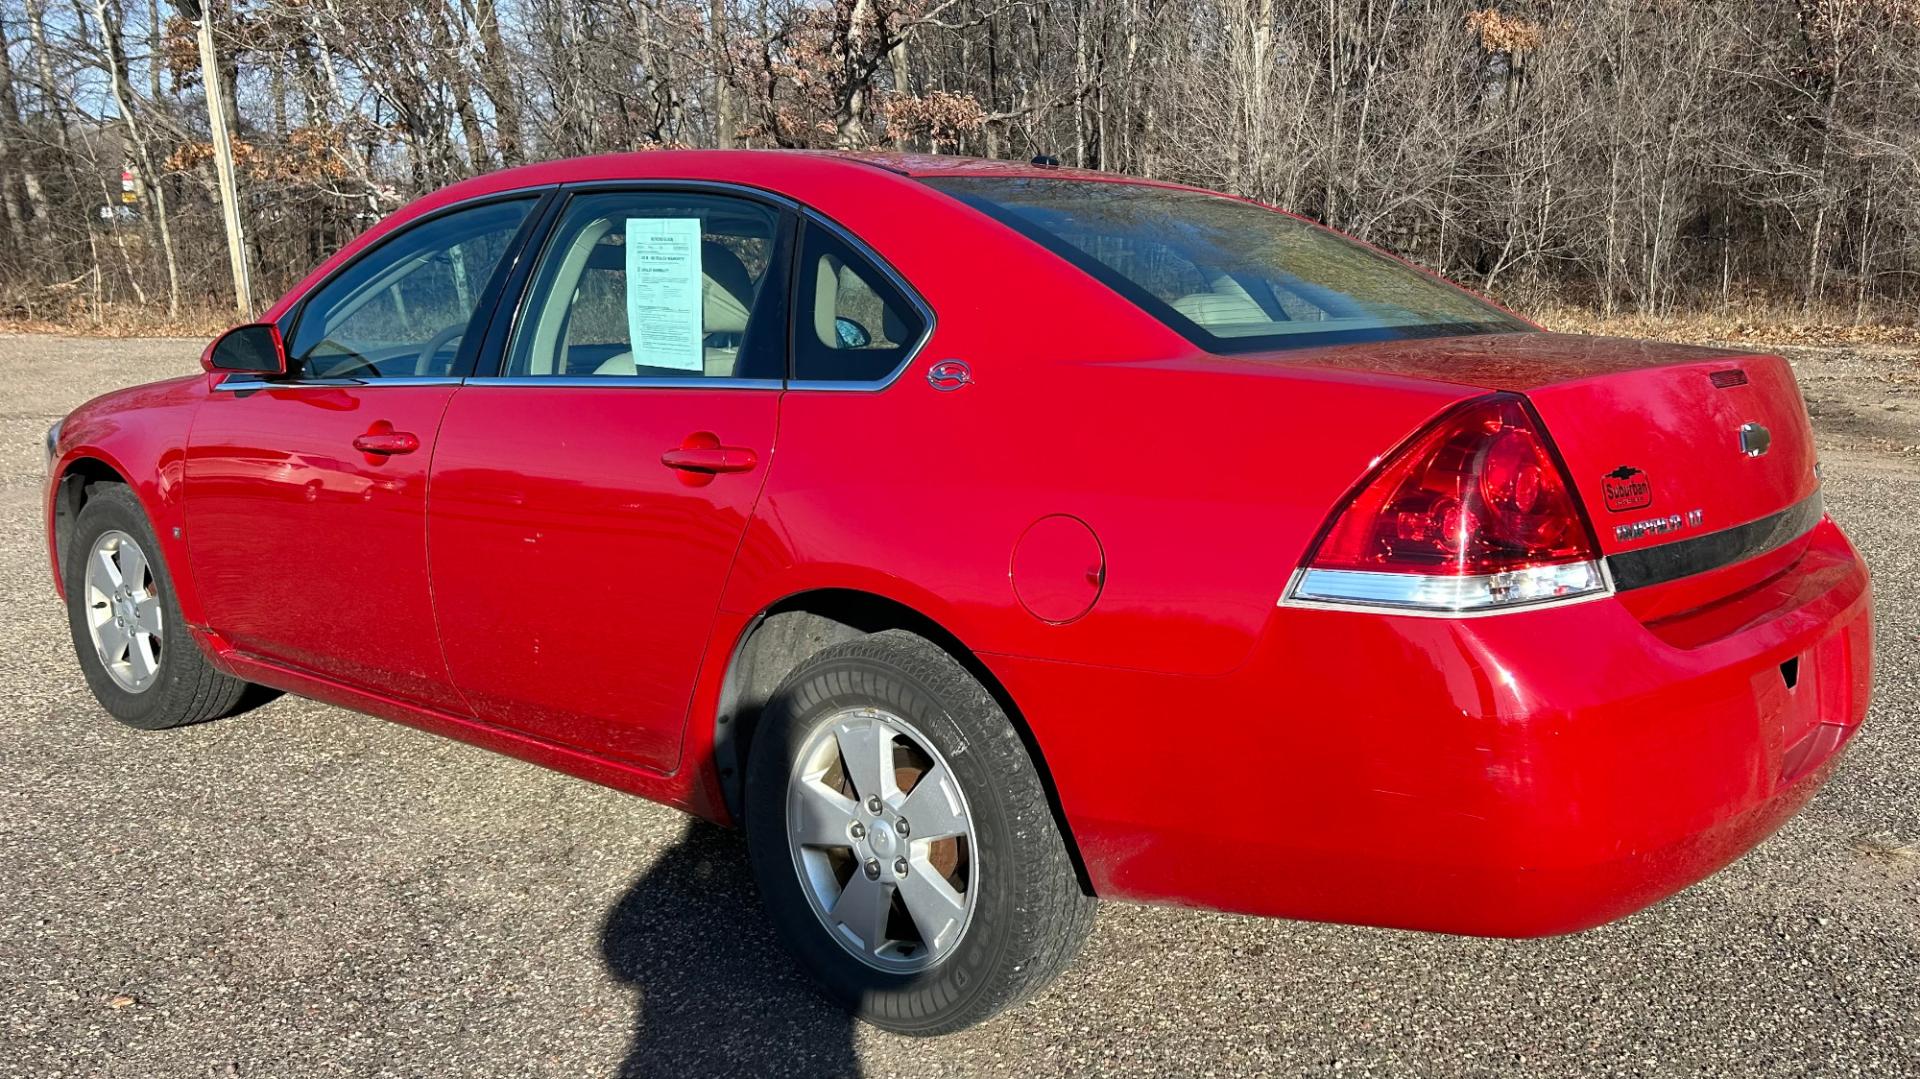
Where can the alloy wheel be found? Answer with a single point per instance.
(882, 839)
(123, 610)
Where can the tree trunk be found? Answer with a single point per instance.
(13, 148)
(496, 79)
(37, 30)
(718, 45)
(902, 79)
(113, 59)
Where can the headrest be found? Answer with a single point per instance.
(728, 292)
(826, 301)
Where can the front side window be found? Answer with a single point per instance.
(1228, 275)
(402, 309)
(851, 324)
(663, 285)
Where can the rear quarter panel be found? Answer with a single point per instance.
(1203, 489)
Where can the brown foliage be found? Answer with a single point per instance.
(940, 117)
(1504, 33)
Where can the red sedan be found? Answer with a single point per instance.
(986, 538)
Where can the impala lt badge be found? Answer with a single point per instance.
(1754, 439)
(1659, 526)
(1627, 488)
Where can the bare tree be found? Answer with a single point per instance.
(1652, 155)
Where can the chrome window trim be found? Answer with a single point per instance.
(668, 184)
(627, 382)
(1291, 596)
(927, 315)
(242, 383)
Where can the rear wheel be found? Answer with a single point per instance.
(903, 841)
(142, 664)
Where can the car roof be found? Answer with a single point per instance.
(753, 167)
(910, 164)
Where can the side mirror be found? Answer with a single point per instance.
(255, 349)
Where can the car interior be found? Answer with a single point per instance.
(579, 324)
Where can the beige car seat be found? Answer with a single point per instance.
(1228, 304)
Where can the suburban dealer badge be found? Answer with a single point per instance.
(1627, 488)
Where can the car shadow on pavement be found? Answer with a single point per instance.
(719, 994)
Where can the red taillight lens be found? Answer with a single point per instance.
(1476, 493)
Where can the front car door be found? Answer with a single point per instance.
(588, 501)
(306, 498)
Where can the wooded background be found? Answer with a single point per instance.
(1646, 156)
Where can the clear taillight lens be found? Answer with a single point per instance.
(1473, 514)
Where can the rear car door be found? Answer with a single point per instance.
(306, 497)
(588, 500)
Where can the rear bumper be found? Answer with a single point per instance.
(1520, 775)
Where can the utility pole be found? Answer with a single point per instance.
(223, 164)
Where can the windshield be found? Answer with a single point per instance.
(1229, 275)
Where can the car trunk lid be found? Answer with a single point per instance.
(1663, 443)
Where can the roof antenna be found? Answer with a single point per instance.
(1046, 161)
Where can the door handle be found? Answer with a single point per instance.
(387, 443)
(710, 460)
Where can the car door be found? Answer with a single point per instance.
(588, 500)
(306, 497)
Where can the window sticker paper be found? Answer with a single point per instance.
(664, 293)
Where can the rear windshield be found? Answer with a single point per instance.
(1228, 275)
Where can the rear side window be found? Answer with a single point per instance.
(851, 322)
(1228, 275)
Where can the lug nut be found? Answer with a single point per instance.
(859, 830)
(900, 867)
(873, 805)
(873, 869)
(901, 827)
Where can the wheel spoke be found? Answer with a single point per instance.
(133, 566)
(862, 907)
(933, 807)
(935, 907)
(819, 816)
(113, 642)
(141, 655)
(147, 611)
(104, 573)
(866, 749)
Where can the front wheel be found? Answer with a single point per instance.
(139, 659)
(903, 842)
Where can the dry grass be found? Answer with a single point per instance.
(1759, 324)
(119, 320)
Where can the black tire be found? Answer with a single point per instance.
(1030, 914)
(185, 688)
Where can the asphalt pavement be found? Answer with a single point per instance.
(306, 891)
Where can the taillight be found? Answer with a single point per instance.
(1473, 514)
